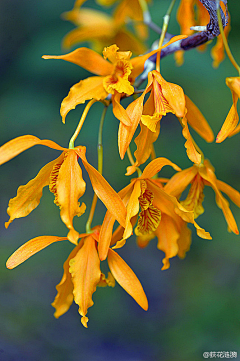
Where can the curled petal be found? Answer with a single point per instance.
(232, 193)
(132, 209)
(156, 165)
(167, 235)
(89, 88)
(125, 276)
(229, 124)
(64, 297)
(31, 247)
(144, 142)
(28, 196)
(86, 273)
(192, 152)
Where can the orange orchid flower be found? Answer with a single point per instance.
(115, 77)
(64, 178)
(101, 30)
(146, 194)
(230, 126)
(82, 273)
(200, 176)
(164, 98)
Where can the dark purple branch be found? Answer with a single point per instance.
(197, 39)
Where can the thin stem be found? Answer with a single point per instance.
(100, 169)
(166, 19)
(80, 124)
(228, 51)
(130, 157)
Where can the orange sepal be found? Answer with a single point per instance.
(29, 248)
(127, 279)
(156, 165)
(197, 121)
(103, 190)
(89, 88)
(87, 59)
(70, 187)
(86, 273)
(17, 145)
(64, 297)
(192, 152)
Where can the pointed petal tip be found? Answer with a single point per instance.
(84, 321)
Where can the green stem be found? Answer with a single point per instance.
(166, 19)
(225, 43)
(100, 169)
(80, 124)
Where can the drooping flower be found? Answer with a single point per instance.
(82, 273)
(115, 77)
(164, 98)
(64, 178)
(101, 30)
(144, 198)
(200, 176)
(230, 126)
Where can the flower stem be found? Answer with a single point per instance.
(80, 124)
(166, 19)
(100, 169)
(228, 51)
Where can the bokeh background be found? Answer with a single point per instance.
(193, 306)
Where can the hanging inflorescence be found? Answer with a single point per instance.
(149, 206)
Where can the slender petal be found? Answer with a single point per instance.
(103, 190)
(107, 225)
(127, 278)
(132, 208)
(70, 187)
(31, 247)
(229, 124)
(156, 165)
(16, 146)
(192, 152)
(86, 273)
(87, 59)
(179, 181)
(197, 121)
(144, 142)
(229, 191)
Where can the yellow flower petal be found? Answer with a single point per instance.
(192, 152)
(28, 196)
(167, 235)
(86, 273)
(156, 165)
(89, 88)
(87, 59)
(103, 190)
(64, 297)
(144, 142)
(197, 121)
(124, 275)
(119, 112)
(125, 133)
(229, 124)
(179, 181)
(232, 193)
(132, 208)
(105, 236)
(16, 146)
(70, 187)
(29, 248)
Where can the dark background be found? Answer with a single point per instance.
(193, 306)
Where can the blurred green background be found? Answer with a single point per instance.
(193, 306)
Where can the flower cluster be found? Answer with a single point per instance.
(149, 206)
